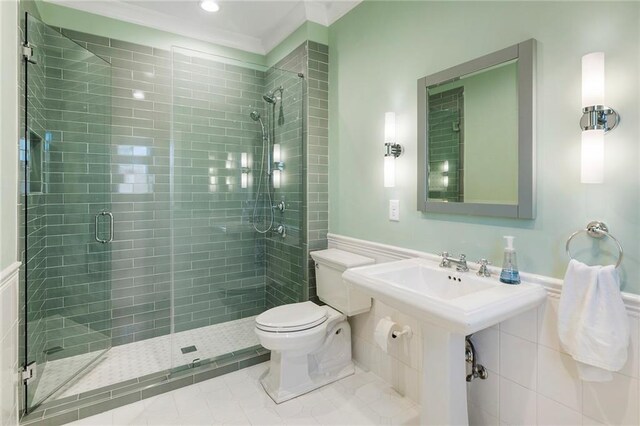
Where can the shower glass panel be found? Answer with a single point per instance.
(237, 210)
(65, 153)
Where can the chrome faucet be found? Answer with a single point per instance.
(461, 264)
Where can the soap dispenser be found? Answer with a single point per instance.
(510, 274)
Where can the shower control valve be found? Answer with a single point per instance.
(280, 206)
(281, 230)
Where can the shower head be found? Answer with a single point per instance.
(270, 97)
(255, 116)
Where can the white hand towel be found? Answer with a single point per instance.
(593, 325)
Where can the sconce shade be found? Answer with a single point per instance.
(593, 79)
(389, 127)
(244, 169)
(277, 157)
(592, 167)
(277, 175)
(389, 172)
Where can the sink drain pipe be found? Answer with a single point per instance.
(470, 355)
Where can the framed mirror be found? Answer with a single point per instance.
(476, 142)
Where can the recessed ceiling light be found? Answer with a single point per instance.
(138, 94)
(209, 5)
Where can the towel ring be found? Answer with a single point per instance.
(596, 229)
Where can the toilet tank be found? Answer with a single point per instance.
(332, 290)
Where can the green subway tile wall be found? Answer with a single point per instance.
(317, 173)
(285, 256)
(312, 60)
(219, 258)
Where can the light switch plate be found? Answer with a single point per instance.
(394, 210)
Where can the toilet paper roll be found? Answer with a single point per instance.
(382, 334)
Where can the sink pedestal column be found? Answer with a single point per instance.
(444, 387)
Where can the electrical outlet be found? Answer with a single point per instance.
(394, 210)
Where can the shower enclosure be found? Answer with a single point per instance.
(162, 207)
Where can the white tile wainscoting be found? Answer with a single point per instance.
(9, 345)
(531, 380)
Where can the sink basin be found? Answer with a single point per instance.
(461, 302)
(450, 305)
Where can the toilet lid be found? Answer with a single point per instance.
(293, 317)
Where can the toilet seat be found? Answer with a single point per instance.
(290, 318)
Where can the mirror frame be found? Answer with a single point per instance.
(525, 53)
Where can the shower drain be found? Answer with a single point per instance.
(188, 349)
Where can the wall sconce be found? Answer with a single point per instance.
(278, 165)
(392, 150)
(244, 169)
(445, 174)
(596, 120)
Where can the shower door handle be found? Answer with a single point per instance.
(110, 226)
(97, 220)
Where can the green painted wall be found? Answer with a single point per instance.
(8, 132)
(380, 49)
(64, 17)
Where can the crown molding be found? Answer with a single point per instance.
(321, 12)
(337, 9)
(289, 24)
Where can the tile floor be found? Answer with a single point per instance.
(137, 359)
(238, 399)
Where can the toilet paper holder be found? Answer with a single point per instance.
(406, 331)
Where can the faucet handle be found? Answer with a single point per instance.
(483, 271)
(462, 263)
(444, 263)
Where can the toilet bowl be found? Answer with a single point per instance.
(311, 344)
(304, 355)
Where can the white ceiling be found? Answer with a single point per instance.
(252, 25)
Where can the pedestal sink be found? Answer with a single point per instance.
(450, 306)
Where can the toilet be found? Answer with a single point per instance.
(311, 344)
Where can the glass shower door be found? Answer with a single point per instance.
(68, 226)
(237, 201)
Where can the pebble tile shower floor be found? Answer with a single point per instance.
(238, 399)
(138, 359)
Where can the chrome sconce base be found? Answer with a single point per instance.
(278, 165)
(599, 117)
(394, 150)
